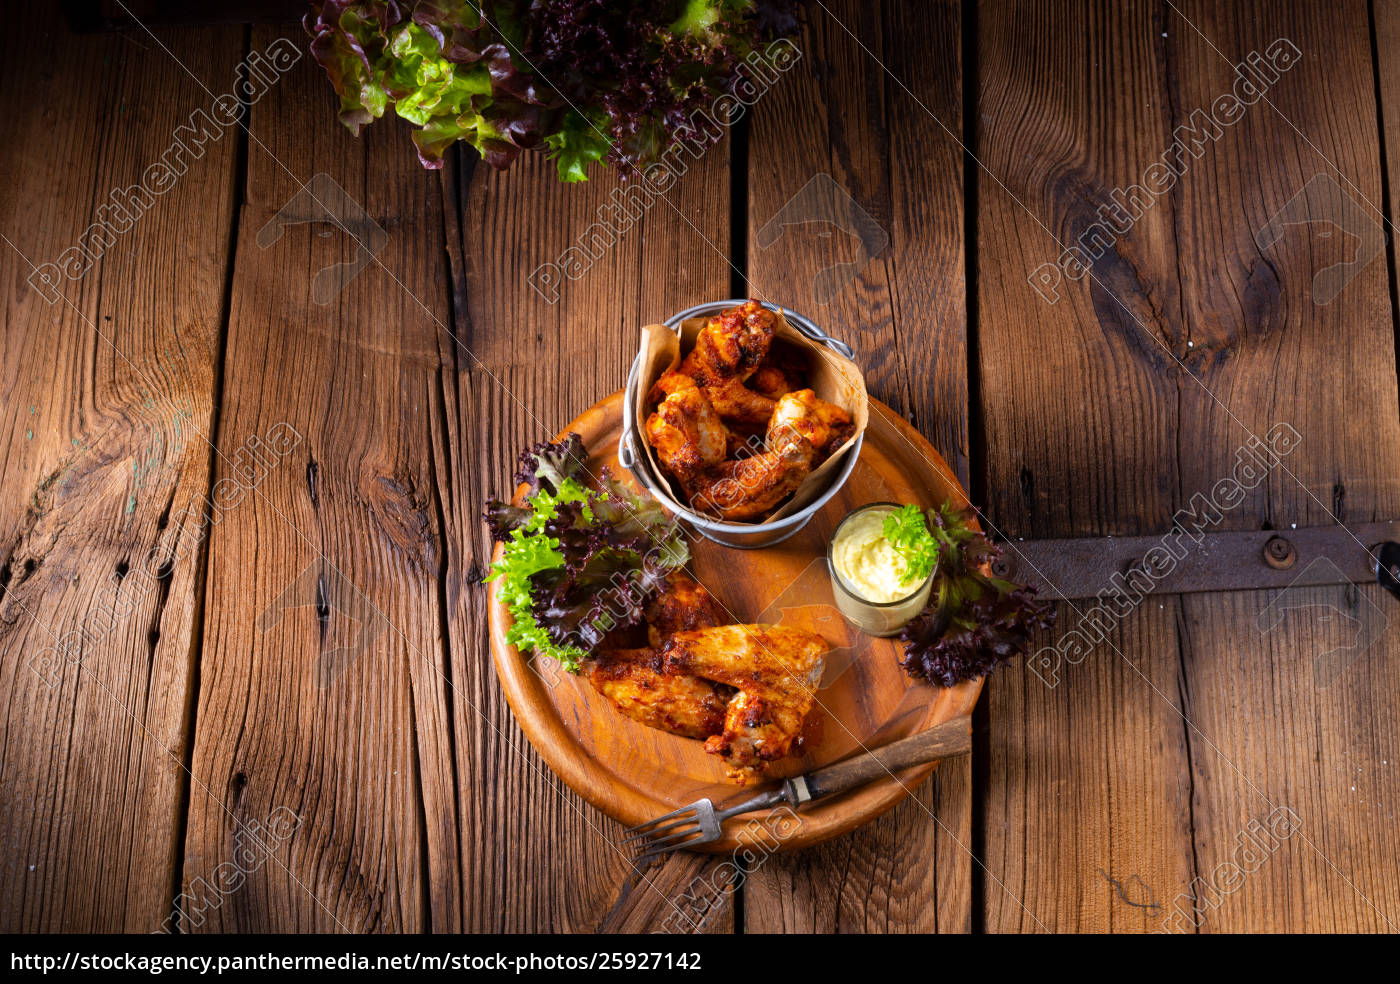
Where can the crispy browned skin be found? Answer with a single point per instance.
(775, 670)
(748, 488)
(743, 689)
(739, 406)
(702, 427)
(771, 381)
(638, 685)
(684, 431)
(732, 344)
(642, 687)
(801, 434)
(684, 605)
(825, 425)
(728, 350)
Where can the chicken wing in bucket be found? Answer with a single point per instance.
(733, 427)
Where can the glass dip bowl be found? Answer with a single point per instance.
(865, 574)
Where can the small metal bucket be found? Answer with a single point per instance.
(746, 536)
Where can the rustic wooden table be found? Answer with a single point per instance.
(288, 719)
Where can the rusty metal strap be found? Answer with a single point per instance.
(1180, 563)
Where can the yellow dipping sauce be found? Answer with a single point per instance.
(868, 563)
(868, 574)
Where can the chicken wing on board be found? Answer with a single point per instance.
(683, 605)
(639, 686)
(743, 689)
(638, 683)
(775, 670)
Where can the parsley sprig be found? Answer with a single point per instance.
(907, 531)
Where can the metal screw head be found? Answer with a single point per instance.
(1280, 554)
(1388, 565)
(1001, 567)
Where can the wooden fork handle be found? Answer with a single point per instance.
(943, 741)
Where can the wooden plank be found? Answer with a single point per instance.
(1108, 417)
(1292, 718)
(323, 686)
(847, 130)
(1088, 781)
(106, 391)
(535, 856)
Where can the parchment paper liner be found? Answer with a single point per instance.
(830, 375)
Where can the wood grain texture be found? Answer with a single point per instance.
(859, 134)
(105, 392)
(536, 857)
(1108, 802)
(1190, 336)
(1088, 781)
(1298, 717)
(323, 682)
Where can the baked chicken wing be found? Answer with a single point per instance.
(684, 430)
(803, 414)
(802, 433)
(738, 449)
(732, 344)
(775, 670)
(738, 406)
(728, 350)
(748, 488)
(682, 606)
(641, 686)
(771, 381)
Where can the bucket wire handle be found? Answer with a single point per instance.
(625, 457)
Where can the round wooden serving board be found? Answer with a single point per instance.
(634, 773)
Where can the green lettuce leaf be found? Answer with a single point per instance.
(582, 80)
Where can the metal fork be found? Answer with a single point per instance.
(700, 823)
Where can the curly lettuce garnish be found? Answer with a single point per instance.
(973, 622)
(908, 534)
(578, 563)
(584, 80)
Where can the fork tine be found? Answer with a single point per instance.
(676, 838)
(693, 820)
(674, 814)
(656, 850)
